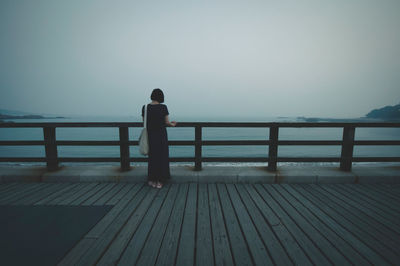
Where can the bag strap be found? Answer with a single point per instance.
(145, 116)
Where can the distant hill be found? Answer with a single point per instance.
(386, 113)
(2, 116)
(12, 114)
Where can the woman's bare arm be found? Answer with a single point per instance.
(171, 124)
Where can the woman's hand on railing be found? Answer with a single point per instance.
(171, 124)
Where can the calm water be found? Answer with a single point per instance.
(188, 134)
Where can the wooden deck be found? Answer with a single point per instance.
(228, 224)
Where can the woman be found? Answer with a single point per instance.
(157, 120)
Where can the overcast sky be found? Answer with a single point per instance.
(211, 58)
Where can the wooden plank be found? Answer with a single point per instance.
(121, 211)
(307, 245)
(67, 194)
(150, 250)
(31, 188)
(221, 243)
(99, 194)
(117, 197)
(91, 247)
(377, 200)
(136, 238)
(204, 244)
(240, 249)
(332, 231)
(258, 251)
(77, 252)
(133, 219)
(14, 189)
(21, 188)
(4, 187)
(370, 247)
(308, 227)
(383, 196)
(186, 248)
(271, 242)
(169, 246)
(49, 198)
(39, 191)
(119, 188)
(38, 195)
(393, 188)
(373, 213)
(288, 241)
(390, 192)
(84, 190)
(88, 194)
(360, 219)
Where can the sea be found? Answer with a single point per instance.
(182, 133)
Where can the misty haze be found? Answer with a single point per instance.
(227, 59)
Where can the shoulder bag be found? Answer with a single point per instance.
(144, 139)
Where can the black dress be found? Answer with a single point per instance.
(158, 166)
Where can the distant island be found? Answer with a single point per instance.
(325, 119)
(387, 113)
(3, 116)
(6, 114)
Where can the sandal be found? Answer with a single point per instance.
(159, 185)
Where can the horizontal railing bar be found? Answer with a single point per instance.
(117, 159)
(325, 124)
(234, 159)
(87, 142)
(204, 159)
(89, 159)
(204, 143)
(22, 159)
(376, 159)
(115, 142)
(377, 142)
(204, 124)
(177, 142)
(21, 142)
(309, 142)
(308, 159)
(171, 159)
(73, 124)
(234, 142)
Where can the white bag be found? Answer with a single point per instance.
(144, 139)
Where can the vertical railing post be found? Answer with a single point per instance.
(346, 156)
(124, 148)
(273, 147)
(197, 160)
(50, 145)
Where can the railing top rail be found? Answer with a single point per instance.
(203, 124)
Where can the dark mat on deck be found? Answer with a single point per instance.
(42, 235)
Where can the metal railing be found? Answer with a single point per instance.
(346, 158)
